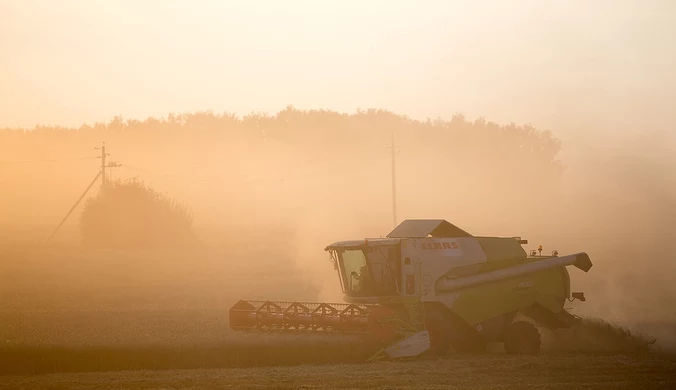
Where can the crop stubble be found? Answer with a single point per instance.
(569, 371)
(193, 347)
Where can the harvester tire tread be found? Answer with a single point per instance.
(522, 338)
(440, 332)
(470, 344)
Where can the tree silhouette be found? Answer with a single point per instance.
(130, 215)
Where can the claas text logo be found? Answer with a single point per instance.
(440, 246)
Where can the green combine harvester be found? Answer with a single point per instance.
(430, 286)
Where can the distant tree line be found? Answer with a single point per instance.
(514, 146)
(457, 159)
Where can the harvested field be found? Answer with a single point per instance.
(570, 371)
(114, 327)
(49, 342)
(203, 353)
(62, 328)
(82, 341)
(24, 360)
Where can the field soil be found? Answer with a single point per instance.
(73, 318)
(550, 371)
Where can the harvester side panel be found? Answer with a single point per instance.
(478, 303)
(426, 259)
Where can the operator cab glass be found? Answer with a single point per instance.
(369, 271)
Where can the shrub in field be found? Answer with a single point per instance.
(130, 215)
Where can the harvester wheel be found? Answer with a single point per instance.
(470, 343)
(440, 333)
(522, 338)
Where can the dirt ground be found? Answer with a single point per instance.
(549, 371)
(62, 328)
(71, 319)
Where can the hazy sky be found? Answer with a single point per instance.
(567, 65)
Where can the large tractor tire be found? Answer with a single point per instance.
(522, 338)
(470, 345)
(438, 326)
(448, 331)
(466, 338)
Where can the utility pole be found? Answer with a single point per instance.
(394, 181)
(394, 184)
(103, 165)
(103, 156)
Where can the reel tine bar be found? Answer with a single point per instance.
(299, 316)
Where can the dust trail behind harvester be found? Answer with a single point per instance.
(621, 207)
(598, 336)
(616, 202)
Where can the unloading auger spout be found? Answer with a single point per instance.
(579, 260)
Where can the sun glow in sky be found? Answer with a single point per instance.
(565, 65)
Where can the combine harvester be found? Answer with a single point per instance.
(430, 286)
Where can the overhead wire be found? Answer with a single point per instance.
(336, 162)
(47, 160)
(326, 169)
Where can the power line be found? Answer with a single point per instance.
(74, 206)
(242, 175)
(47, 160)
(101, 173)
(216, 176)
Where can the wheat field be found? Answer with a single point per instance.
(550, 371)
(62, 330)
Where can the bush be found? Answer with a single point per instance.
(130, 215)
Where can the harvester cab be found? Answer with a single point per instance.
(429, 286)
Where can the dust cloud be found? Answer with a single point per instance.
(269, 192)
